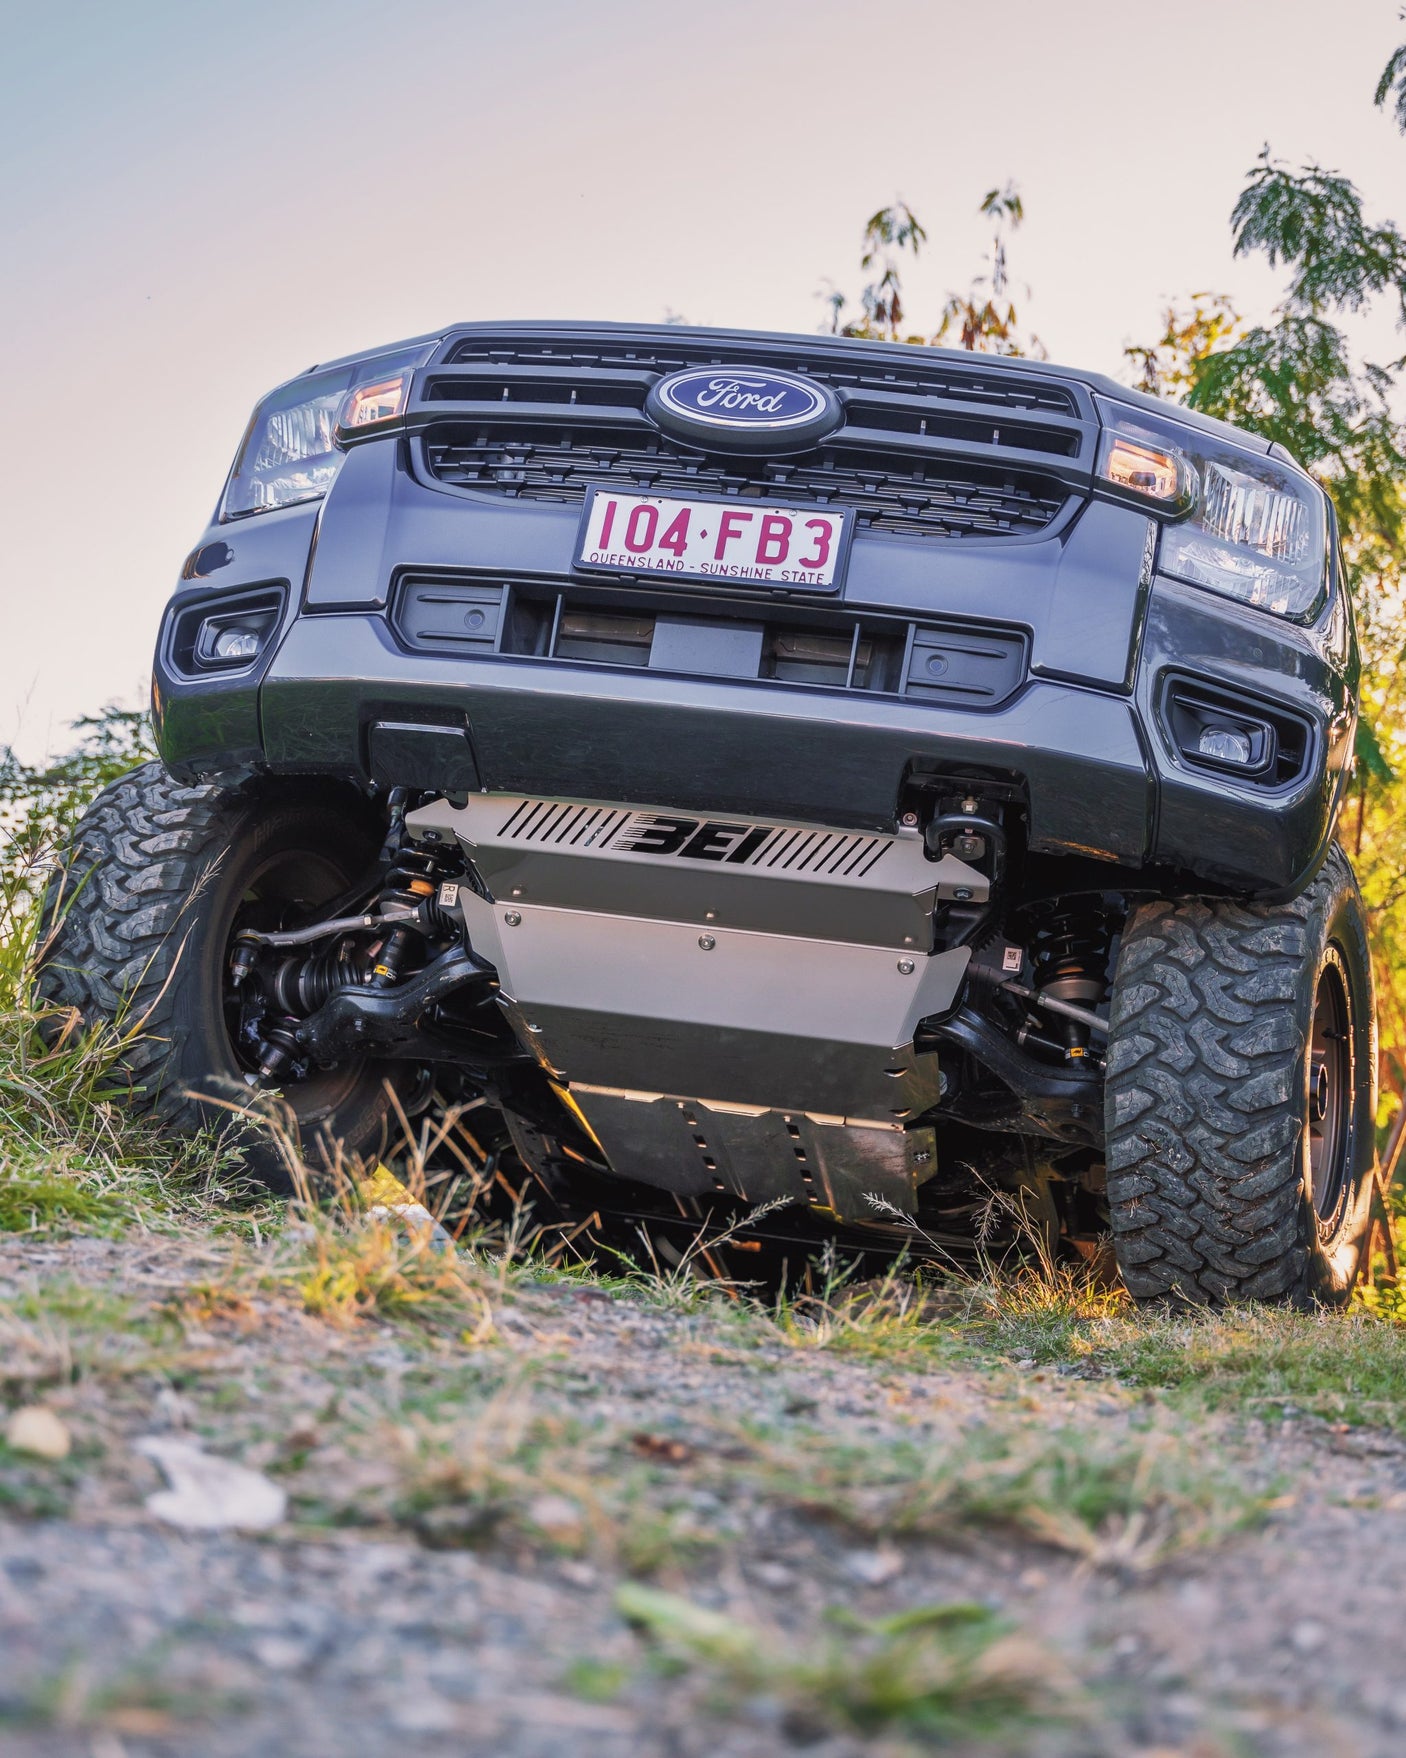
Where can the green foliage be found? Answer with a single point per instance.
(1391, 87)
(983, 319)
(70, 1153)
(1311, 222)
(1189, 333)
(1370, 758)
(887, 234)
(1297, 381)
(1294, 381)
(41, 803)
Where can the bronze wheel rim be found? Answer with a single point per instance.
(1330, 1089)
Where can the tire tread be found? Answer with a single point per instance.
(1204, 1096)
(116, 917)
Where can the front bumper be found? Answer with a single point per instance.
(342, 698)
(1080, 744)
(706, 745)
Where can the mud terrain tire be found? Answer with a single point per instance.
(1242, 1071)
(137, 926)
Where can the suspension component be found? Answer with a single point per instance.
(1067, 1009)
(278, 1050)
(412, 884)
(301, 985)
(287, 978)
(1069, 951)
(248, 940)
(415, 875)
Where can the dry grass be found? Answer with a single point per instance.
(1115, 1497)
(518, 1470)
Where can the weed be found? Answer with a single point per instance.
(1115, 1500)
(66, 1332)
(509, 1468)
(895, 1318)
(946, 1672)
(31, 1490)
(379, 1267)
(33, 1200)
(71, 1155)
(926, 1314)
(597, 1681)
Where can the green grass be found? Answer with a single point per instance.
(946, 1673)
(1258, 1361)
(1266, 1363)
(465, 1466)
(471, 1456)
(36, 1200)
(1255, 1361)
(36, 1489)
(63, 1332)
(1127, 1498)
(72, 1154)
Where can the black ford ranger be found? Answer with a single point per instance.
(765, 768)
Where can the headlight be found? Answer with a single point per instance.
(1244, 524)
(292, 450)
(289, 453)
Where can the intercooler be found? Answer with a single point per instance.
(728, 1006)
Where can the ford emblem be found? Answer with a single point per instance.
(743, 409)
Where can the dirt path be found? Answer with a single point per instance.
(469, 1496)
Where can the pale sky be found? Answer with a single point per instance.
(199, 199)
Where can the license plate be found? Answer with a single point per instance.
(740, 544)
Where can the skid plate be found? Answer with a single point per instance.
(769, 986)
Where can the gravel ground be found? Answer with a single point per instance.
(463, 1512)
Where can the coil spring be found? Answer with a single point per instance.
(1069, 950)
(414, 879)
(415, 875)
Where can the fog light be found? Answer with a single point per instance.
(1225, 746)
(234, 644)
(234, 638)
(1212, 731)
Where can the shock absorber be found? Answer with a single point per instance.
(1069, 950)
(412, 883)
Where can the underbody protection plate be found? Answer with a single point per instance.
(765, 980)
(734, 872)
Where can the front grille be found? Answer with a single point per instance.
(893, 367)
(916, 499)
(928, 447)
